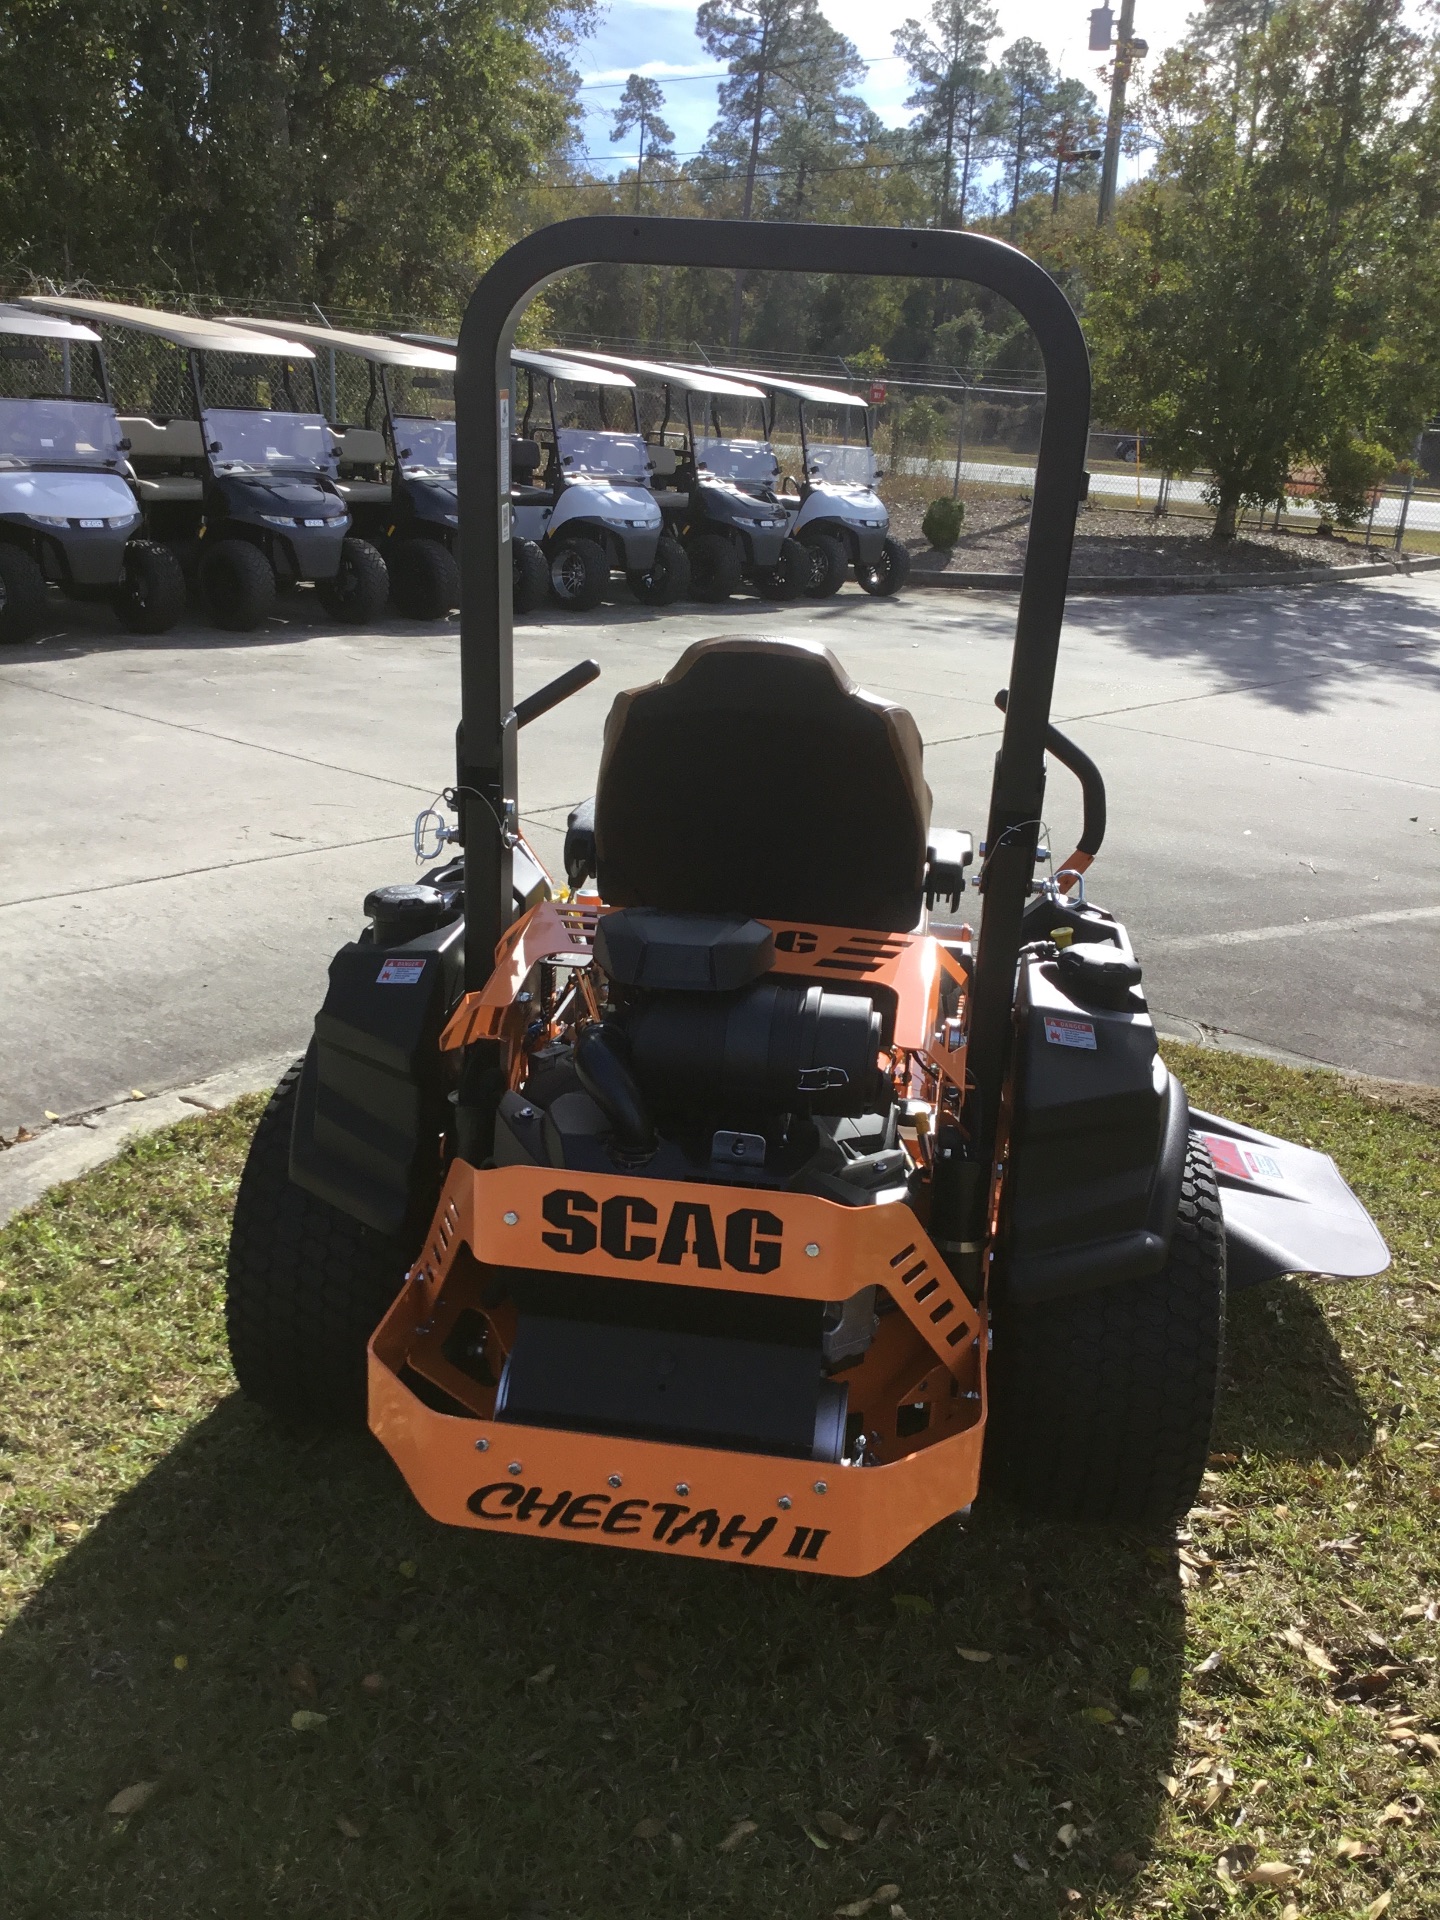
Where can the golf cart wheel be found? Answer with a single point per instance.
(531, 576)
(579, 573)
(306, 1284)
(360, 586)
(714, 567)
(151, 597)
(424, 579)
(889, 573)
(790, 575)
(829, 564)
(1101, 1403)
(238, 583)
(22, 594)
(666, 579)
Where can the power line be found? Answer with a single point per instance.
(720, 73)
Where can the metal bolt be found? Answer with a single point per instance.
(527, 1113)
(511, 1219)
(785, 1503)
(682, 1487)
(813, 1249)
(822, 1486)
(482, 1446)
(613, 1481)
(514, 1467)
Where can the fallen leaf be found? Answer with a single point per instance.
(888, 1892)
(815, 1839)
(305, 1720)
(740, 1832)
(539, 1679)
(1140, 1680)
(838, 1827)
(1354, 1849)
(1234, 1861)
(1211, 1662)
(648, 1828)
(131, 1799)
(373, 1683)
(1102, 1716)
(407, 1569)
(1316, 1655)
(1429, 1742)
(975, 1654)
(51, 1116)
(1271, 1873)
(302, 1678)
(1289, 1911)
(1022, 1863)
(135, 1094)
(1068, 1835)
(180, 1662)
(912, 1603)
(1169, 1783)
(854, 1910)
(1377, 1907)
(1402, 1812)
(347, 1827)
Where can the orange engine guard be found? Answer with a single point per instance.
(919, 1389)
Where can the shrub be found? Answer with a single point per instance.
(943, 521)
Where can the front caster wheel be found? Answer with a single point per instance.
(666, 579)
(889, 573)
(359, 588)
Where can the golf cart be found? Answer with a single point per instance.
(720, 497)
(235, 463)
(837, 512)
(68, 514)
(593, 510)
(745, 1206)
(404, 426)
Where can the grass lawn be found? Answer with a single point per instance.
(1011, 1720)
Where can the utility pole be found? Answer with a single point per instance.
(1127, 51)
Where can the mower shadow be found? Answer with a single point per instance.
(1288, 1394)
(1294, 648)
(540, 1703)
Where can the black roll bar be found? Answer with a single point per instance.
(486, 775)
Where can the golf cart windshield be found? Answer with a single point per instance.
(837, 444)
(424, 446)
(53, 410)
(260, 415)
(842, 466)
(613, 456)
(730, 440)
(58, 433)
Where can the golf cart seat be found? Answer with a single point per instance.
(361, 493)
(160, 448)
(169, 487)
(819, 788)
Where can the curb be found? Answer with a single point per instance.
(1181, 583)
(82, 1141)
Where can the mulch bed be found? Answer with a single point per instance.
(1114, 545)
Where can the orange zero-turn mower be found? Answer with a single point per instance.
(739, 1208)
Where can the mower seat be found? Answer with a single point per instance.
(757, 779)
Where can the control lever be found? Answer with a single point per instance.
(1092, 790)
(561, 688)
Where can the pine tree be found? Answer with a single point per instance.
(639, 111)
(958, 95)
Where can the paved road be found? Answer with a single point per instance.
(191, 823)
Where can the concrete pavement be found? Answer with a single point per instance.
(192, 822)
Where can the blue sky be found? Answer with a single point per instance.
(657, 37)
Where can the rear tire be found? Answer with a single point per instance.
(666, 579)
(788, 578)
(424, 579)
(238, 584)
(714, 567)
(1101, 1404)
(306, 1286)
(151, 597)
(829, 564)
(531, 582)
(359, 588)
(22, 594)
(579, 573)
(889, 573)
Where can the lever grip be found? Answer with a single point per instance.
(561, 688)
(1092, 784)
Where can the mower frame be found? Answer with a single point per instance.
(487, 773)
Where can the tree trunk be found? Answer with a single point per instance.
(1226, 508)
(762, 74)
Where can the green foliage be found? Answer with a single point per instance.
(942, 523)
(1267, 295)
(356, 151)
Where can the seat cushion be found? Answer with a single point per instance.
(757, 779)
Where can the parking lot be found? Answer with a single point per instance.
(192, 822)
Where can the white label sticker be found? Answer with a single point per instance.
(400, 973)
(1069, 1033)
(1265, 1164)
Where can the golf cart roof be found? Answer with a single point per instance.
(43, 326)
(365, 346)
(181, 329)
(555, 368)
(687, 379)
(803, 389)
